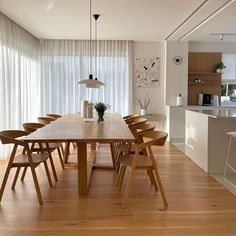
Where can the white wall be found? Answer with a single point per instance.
(176, 75)
(212, 47)
(150, 49)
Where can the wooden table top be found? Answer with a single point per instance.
(72, 127)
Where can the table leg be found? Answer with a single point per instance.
(113, 155)
(82, 168)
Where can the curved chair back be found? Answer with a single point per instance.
(45, 119)
(9, 136)
(157, 138)
(31, 127)
(55, 116)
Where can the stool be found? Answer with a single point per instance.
(227, 164)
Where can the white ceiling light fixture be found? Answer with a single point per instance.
(90, 82)
(221, 35)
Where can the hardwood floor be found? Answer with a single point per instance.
(198, 205)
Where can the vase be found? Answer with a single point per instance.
(100, 116)
(219, 70)
(143, 112)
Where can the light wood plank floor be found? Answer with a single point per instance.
(198, 205)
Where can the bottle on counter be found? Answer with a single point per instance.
(179, 100)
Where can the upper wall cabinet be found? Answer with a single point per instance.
(202, 77)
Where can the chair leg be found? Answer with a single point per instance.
(119, 176)
(128, 186)
(160, 185)
(113, 155)
(15, 178)
(53, 167)
(152, 178)
(48, 174)
(122, 177)
(5, 180)
(36, 183)
(7, 171)
(66, 153)
(51, 162)
(23, 174)
(61, 159)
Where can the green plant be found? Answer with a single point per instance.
(220, 65)
(101, 107)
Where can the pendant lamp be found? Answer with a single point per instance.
(90, 82)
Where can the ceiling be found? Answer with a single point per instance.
(139, 20)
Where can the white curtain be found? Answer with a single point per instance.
(18, 77)
(41, 77)
(65, 62)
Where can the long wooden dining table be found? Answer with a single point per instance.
(73, 128)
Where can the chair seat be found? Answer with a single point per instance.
(23, 160)
(143, 161)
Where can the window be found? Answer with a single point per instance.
(228, 87)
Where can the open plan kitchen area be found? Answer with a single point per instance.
(117, 117)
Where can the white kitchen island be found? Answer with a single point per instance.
(206, 142)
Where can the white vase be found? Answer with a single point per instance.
(143, 112)
(219, 70)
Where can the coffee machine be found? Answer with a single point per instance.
(204, 99)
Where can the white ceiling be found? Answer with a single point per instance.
(140, 20)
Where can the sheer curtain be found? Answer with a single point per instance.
(18, 76)
(65, 62)
(37, 77)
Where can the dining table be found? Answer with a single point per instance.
(76, 129)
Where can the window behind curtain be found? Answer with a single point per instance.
(65, 62)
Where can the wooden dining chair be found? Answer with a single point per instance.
(55, 116)
(26, 159)
(137, 131)
(31, 127)
(143, 161)
(45, 120)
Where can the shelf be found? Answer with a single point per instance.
(204, 83)
(203, 73)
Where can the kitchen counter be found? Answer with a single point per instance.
(206, 141)
(217, 113)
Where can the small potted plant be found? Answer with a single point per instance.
(220, 67)
(144, 103)
(100, 107)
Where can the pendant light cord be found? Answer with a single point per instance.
(90, 38)
(96, 61)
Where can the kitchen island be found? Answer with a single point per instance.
(206, 141)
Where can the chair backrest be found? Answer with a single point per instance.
(143, 127)
(137, 121)
(45, 119)
(130, 117)
(156, 138)
(9, 136)
(31, 127)
(55, 116)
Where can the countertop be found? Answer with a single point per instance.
(217, 113)
(204, 107)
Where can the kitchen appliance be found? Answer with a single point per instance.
(204, 99)
(215, 100)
